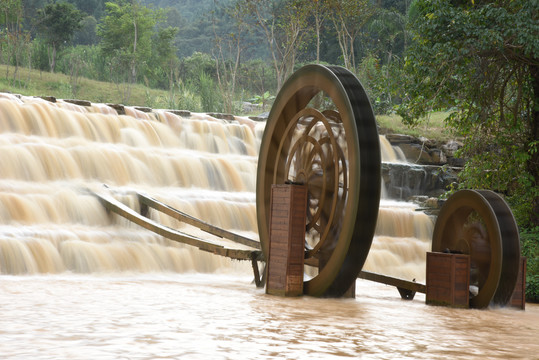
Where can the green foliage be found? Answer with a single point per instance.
(191, 67)
(58, 22)
(93, 8)
(265, 99)
(126, 32)
(87, 35)
(39, 57)
(188, 98)
(529, 240)
(161, 70)
(210, 94)
(256, 77)
(481, 61)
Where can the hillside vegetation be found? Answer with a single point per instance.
(40, 83)
(32, 82)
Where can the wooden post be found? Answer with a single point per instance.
(288, 211)
(448, 279)
(518, 299)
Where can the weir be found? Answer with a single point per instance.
(50, 149)
(202, 167)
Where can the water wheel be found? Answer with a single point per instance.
(479, 223)
(321, 132)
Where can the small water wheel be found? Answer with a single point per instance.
(479, 223)
(322, 132)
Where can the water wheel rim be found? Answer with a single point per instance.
(363, 169)
(510, 238)
(502, 238)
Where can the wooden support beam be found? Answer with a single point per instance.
(213, 247)
(410, 286)
(188, 219)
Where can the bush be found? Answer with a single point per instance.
(209, 93)
(529, 241)
(532, 288)
(188, 98)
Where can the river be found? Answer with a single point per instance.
(77, 282)
(224, 316)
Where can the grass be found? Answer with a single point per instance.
(32, 82)
(433, 127)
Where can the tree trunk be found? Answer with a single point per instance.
(533, 162)
(53, 58)
(317, 40)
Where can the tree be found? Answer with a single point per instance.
(11, 12)
(126, 32)
(94, 8)
(318, 9)
(481, 60)
(165, 50)
(284, 25)
(228, 50)
(349, 17)
(58, 23)
(87, 33)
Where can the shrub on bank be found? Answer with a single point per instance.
(529, 240)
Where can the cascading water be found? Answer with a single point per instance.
(53, 152)
(403, 235)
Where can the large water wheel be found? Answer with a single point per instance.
(322, 132)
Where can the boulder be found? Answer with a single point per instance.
(396, 139)
(78, 102)
(415, 153)
(451, 147)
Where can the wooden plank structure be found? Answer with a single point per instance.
(188, 219)
(211, 246)
(448, 279)
(288, 208)
(518, 299)
(407, 289)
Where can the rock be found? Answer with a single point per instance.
(437, 157)
(419, 199)
(264, 115)
(451, 147)
(222, 116)
(415, 153)
(427, 142)
(456, 162)
(432, 203)
(182, 113)
(78, 102)
(51, 99)
(143, 109)
(403, 181)
(395, 139)
(250, 107)
(120, 109)
(258, 118)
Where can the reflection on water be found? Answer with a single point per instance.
(214, 316)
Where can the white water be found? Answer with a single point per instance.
(53, 152)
